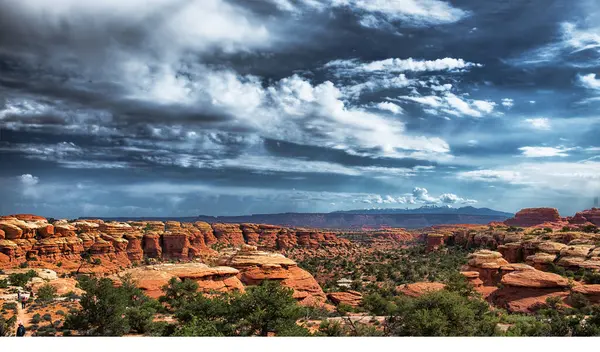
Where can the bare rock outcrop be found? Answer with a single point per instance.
(256, 266)
(534, 216)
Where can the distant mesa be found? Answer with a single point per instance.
(550, 217)
(534, 216)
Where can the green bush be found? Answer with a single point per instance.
(441, 313)
(6, 325)
(35, 319)
(104, 306)
(21, 279)
(10, 306)
(46, 293)
(47, 317)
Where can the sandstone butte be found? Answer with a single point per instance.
(116, 245)
(591, 216)
(534, 216)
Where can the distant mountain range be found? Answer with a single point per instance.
(430, 209)
(355, 219)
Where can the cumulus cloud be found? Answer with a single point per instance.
(539, 123)
(508, 103)
(28, 180)
(388, 106)
(419, 195)
(589, 81)
(544, 152)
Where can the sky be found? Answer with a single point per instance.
(231, 107)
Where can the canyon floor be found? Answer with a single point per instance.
(533, 275)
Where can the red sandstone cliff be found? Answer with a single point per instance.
(116, 245)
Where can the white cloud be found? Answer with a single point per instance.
(395, 65)
(539, 123)
(29, 180)
(508, 103)
(576, 178)
(452, 104)
(388, 106)
(508, 176)
(375, 84)
(29, 185)
(419, 195)
(544, 152)
(573, 39)
(589, 81)
(451, 198)
(381, 13)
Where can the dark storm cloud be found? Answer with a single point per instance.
(228, 107)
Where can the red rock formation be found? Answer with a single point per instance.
(524, 299)
(175, 244)
(207, 232)
(419, 288)
(434, 241)
(152, 246)
(135, 252)
(473, 278)
(590, 215)
(152, 278)
(33, 238)
(287, 239)
(534, 279)
(351, 298)
(591, 292)
(228, 234)
(256, 266)
(534, 216)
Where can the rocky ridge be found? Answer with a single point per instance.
(65, 245)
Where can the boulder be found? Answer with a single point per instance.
(351, 298)
(419, 288)
(534, 279)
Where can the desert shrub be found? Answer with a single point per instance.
(10, 306)
(24, 265)
(6, 325)
(441, 313)
(3, 283)
(104, 306)
(21, 279)
(264, 309)
(332, 328)
(47, 317)
(60, 312)
(35, 319)
(46, 293)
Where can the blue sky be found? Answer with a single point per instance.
(226, 107)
